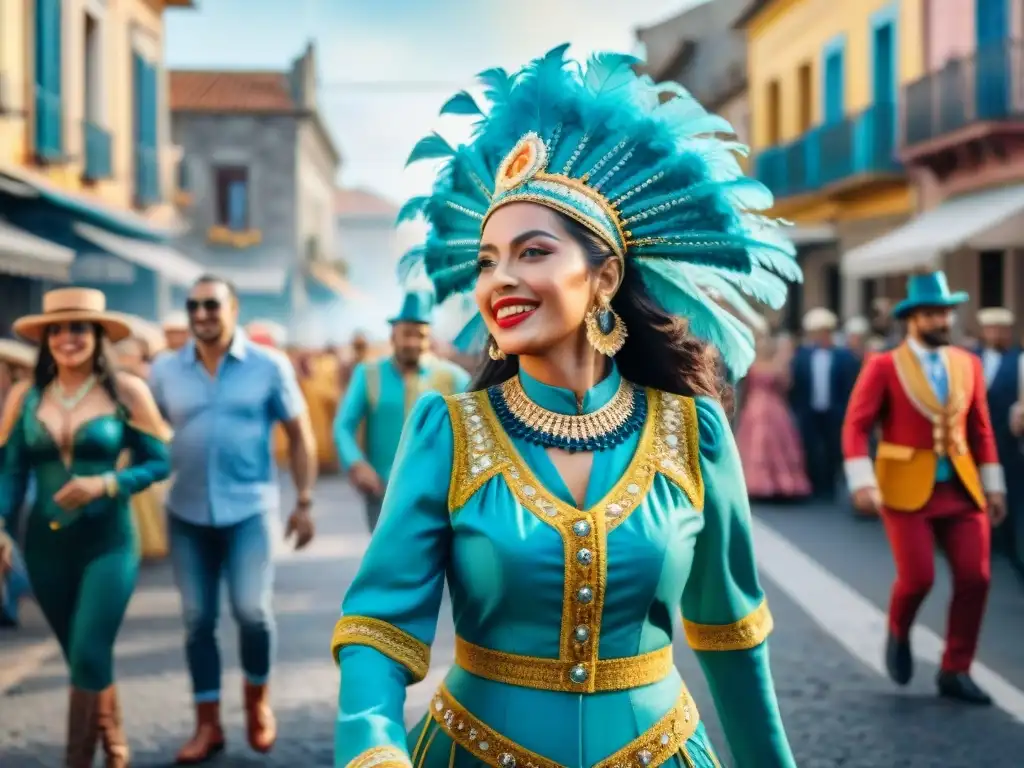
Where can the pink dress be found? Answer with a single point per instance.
(769, 443)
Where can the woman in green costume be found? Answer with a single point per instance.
(68, 426)
(589, 490)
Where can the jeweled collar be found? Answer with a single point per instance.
(564, 401)
(608, 414)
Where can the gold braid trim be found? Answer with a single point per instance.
(396, 644)
(748, 632)
(380, 757)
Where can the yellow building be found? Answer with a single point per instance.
(86, 165)
(824, 81)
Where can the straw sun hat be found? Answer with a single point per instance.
(18, 353)
(69, 305)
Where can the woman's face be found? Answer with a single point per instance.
(534, 284)
(72, 344)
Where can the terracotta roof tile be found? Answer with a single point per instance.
(362, 202)
(199, 91)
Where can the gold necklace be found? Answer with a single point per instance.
(608, 426)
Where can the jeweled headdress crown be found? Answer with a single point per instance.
(638, 163)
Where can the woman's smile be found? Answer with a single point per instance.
(512, 310)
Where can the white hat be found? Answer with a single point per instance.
(819, 319)
(995, 316)
(856, 326)
(176, 321)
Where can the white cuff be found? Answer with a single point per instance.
(859, 473)
(992, 478)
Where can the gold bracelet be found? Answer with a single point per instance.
(110, 483)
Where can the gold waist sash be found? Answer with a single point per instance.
(557, 675)
(656, 746)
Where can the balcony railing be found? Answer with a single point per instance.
(147, 176)
(97, 152)
(987, 86)
(862, 144)
(49, 125)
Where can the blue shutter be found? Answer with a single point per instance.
(237, 205)
(48, 79)
(834, 87)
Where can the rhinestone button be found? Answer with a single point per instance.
(578, 674)
(584, 595)
(581, 633)
(507, 761)
(581, 527)
(584, 557)
(644, 757)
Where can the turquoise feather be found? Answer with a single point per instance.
(461, 104)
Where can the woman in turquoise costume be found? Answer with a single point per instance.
(67, 427)
(589, 488)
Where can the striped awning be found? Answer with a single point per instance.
(27, 255)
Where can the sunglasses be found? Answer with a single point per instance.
(209, 305)
(75, 328)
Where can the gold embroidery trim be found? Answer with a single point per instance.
(396, 644)
(655, 746)
(553, 674)
(748, 632)
(948, 432)
(380, 757)
(668, 444)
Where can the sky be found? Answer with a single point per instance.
(387, 66)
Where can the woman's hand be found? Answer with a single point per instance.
(79, 491)
(6, 552)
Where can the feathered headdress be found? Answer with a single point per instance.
(637, 163)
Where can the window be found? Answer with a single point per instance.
(868, 295)
(833, 287)
(990, 279)
(806, 101)
(93, 83)
(834, 85)
(773, 113)
(232, 184)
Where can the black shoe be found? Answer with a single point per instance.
(899, 660)
(960, 686)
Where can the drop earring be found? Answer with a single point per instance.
(605, 330)
(494, 352)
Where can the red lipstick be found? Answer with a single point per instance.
(510, 321)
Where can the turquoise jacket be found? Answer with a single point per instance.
(666, 528)
(377, 403)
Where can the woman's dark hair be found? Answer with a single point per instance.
(102, 367)
(659, 352)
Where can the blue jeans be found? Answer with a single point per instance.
(241, 554)
(15, 586)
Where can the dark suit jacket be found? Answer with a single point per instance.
(843, 374)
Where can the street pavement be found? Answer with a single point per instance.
(826, 575)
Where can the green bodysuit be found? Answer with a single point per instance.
(83, 563)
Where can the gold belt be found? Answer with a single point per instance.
(656, 746)
(557, 675)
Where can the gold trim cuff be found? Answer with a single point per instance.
(381, 757)
(748, 632)
(396, 644)
(558, 675)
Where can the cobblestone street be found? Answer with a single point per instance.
(839, 709)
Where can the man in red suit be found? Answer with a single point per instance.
(935, 476)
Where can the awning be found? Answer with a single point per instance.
(255, 279)
(803, 235)
(21, 183)
(22, 253)
(992, 219)
(329, 278)
(161, 259)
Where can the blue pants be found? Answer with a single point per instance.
(241, 554)
(15, 587)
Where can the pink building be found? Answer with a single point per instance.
(962, 142)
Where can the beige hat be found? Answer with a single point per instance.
(176, 321)
(18, 353)
(856, 326)
(819, 319)
(68, 305)
(995, 316)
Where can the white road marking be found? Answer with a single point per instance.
(853, 621)
(25, 662)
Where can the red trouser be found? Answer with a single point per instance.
(963, 533)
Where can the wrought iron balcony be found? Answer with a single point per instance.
(835, 155)
(986, 87)
(147, 176)
(98, 143)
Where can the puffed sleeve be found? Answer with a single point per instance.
(725, 615)
(14, 468)
(147, 438)
(389, 615)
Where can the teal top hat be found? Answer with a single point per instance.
(417, 307)
(928, 290)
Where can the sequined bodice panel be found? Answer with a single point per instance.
(527, 567)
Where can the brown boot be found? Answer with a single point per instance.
(260, 725)
(83, 729)
(111, 728)
(208, 740)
